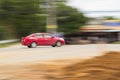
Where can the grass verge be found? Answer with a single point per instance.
(117, 42)
(2, 45)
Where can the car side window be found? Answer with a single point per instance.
(47, 35)
(38, 35)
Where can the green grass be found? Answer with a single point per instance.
(117, 42)
(3, 45)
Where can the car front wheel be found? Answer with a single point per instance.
(58, 44)
(29, 46)
(53, 46)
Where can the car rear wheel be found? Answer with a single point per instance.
(58, 44)
(33, 45)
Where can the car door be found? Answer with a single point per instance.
(48, 39)
(39, 38)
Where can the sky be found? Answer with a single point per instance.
(97, 5)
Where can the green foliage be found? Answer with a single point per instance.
(109, 18)
(69, 19)
(21, 16)
(2, 32)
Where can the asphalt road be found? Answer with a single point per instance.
(19, 54)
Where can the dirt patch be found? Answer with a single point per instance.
(106, 67)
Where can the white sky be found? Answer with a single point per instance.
(97, 5)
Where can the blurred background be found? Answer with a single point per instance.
(78, 21)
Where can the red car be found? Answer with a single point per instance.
(40, 39)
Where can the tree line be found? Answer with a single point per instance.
(22, 17)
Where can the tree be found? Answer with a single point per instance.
(70, 19)
(21, 16)
(109, 17)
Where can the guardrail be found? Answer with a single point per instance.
(8, 41)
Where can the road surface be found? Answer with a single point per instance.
(19, 54)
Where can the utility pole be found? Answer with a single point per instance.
(51, 23)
